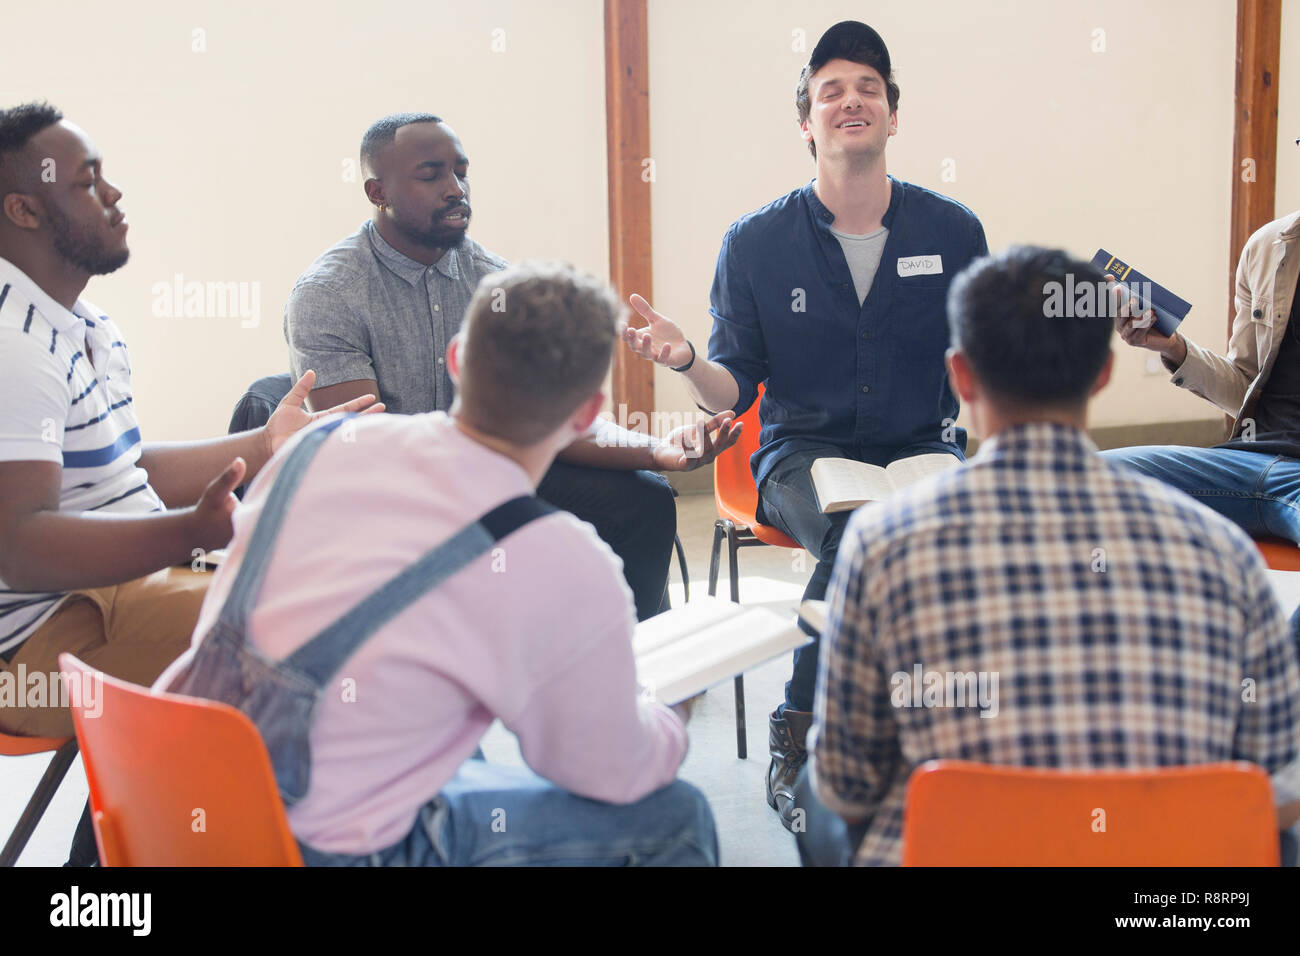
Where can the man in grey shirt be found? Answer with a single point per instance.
(374, 315)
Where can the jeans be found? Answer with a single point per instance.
(788, 502)
(1260, 492)
(633, 512)
(490, 815)
(825, 839)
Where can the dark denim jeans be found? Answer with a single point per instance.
(633, 512)
(825, 840)
(788, 502)
(1258, 491)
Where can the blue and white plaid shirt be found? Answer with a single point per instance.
(1039, 607)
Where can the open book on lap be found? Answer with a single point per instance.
(843, 484)
(683, 652)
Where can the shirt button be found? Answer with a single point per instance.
(865, 389)
(439, 361)
(1257, 313)
(436, 308)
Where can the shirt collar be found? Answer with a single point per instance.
(1292, 229)
(406, 267)
(70, 322)
(1048, 444)
(824, 217)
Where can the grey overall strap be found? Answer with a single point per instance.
(252, 569)
(322, 656)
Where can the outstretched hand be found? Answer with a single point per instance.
(213, 527)
(290, 416)
(690, 446)
(661, 341)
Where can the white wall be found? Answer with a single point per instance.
(232, 160)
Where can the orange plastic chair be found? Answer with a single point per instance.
(176, 781)
(64, 750)
(736, 496)
(1279, 553)
(969, 814)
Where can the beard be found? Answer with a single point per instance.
(434, 235)
(439, 237)
(79, 248)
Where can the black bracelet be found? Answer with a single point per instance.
(687, 366)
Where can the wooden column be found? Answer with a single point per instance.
(627, 135)
(1259, 33)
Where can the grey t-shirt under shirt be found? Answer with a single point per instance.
(863, 256)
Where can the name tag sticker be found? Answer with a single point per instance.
(921, 266)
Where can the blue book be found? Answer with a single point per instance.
(1170, 310)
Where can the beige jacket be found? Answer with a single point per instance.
(1266, 285)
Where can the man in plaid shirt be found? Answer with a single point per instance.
(1039, 607)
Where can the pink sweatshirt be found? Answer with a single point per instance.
(536, 633)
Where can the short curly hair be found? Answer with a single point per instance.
(384, 131)
(18, 124)
(537, 341)
(1022, 350)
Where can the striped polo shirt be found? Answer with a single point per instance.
(65, 396)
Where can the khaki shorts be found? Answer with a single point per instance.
(131, 631)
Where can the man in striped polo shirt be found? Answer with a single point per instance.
(93, 521)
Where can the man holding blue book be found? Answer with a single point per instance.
(1254, 478)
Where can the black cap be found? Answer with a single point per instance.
(850, 40)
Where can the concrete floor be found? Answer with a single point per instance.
(748, 830)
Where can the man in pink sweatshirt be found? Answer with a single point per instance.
(522, 616)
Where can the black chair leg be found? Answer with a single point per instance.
(719, 532)
(724, 528)
(733, 545)
(41, 797)
(681, 563)
(742, 747)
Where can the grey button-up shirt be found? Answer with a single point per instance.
(363, 310)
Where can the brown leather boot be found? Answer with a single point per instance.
(787, 735)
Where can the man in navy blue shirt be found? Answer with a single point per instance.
(834, 296)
